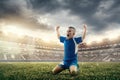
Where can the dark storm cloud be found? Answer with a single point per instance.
(44, 6)
(7, 9)
(14, 11)
(87, 9)
(96, 13)
(84, 9)
(115, 12)
(81, 8)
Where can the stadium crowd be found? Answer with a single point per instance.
(26, 48)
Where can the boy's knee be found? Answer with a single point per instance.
(57, 70)
(73, 70)
(54, 72)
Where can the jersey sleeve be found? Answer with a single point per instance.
(78, 40)
(62, 39)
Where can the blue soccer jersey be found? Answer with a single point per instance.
(69, 47)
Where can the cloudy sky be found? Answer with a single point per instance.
(40, 17)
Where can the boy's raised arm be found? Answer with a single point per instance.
(57, 31)
(83, 37)
(84, 32)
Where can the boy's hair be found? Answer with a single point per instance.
(72, 27)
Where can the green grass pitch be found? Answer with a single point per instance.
(42, 71)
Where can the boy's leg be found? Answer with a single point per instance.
(73, 70)
(57, 69)
(73, 67)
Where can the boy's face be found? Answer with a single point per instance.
(70, 32)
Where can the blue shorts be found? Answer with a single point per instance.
(67, 64)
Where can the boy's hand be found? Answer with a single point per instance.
(85, 26)
(57, 28)
(82, 45)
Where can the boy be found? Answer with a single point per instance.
(70, 50)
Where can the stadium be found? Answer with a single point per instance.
(13, 48)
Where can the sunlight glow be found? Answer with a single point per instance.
(49, 38)
(13, 29)
(111, 35)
